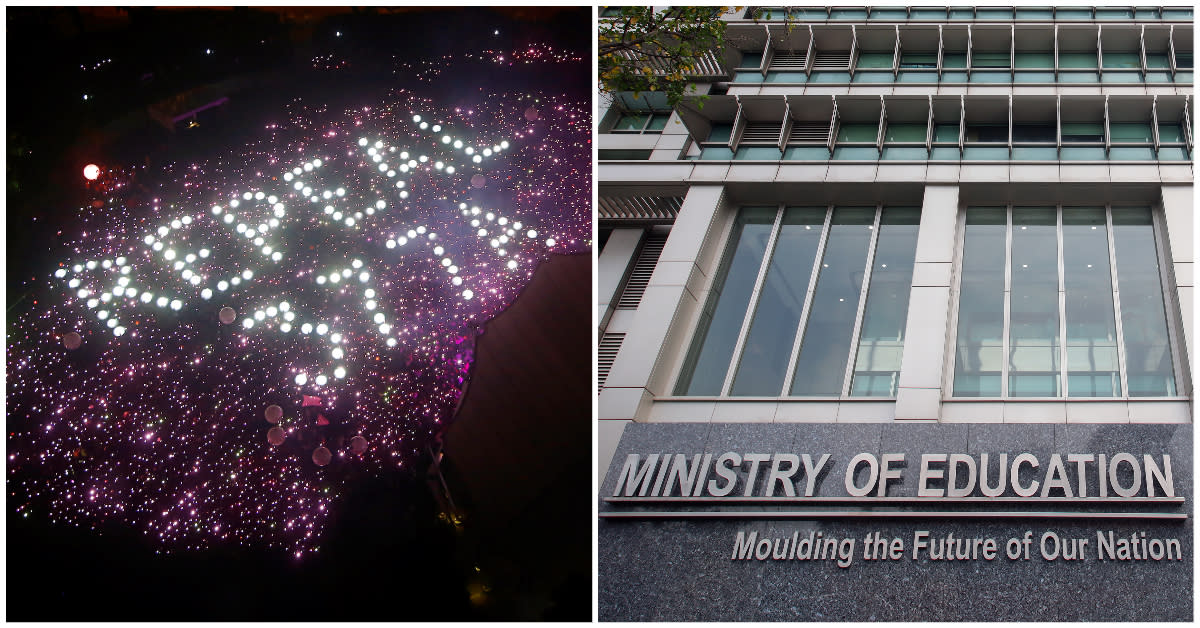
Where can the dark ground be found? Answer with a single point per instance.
(387, 556)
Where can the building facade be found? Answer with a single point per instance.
(941, 217)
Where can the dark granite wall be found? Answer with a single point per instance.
(681, 570)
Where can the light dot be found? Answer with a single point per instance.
(301, 379)
(550, 242)
(467, 294)
(321, 379)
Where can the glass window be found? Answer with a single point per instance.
(716, 152)
(905, 153)
(917, 77)
(985, 153)
(877, 60)
(1062, 13)
(720, 133)
(1149, 363)
(757, 152)
(721, 321)
(962, 13)
(979, 348)
(1078, 77)
(1173, 153)
(954, 77)
(987, 13)
(1121, 77)
(858, 132)
(631, 122)
(856, 153)
(881, 341)
(786, 77)
(753, 76)
(1092, 364)
(1170, 132)
(1035, 153)
(945, 133)
(848, 14)
(990, 77)
(806, 153)
(874, 77)
(987, 133)
(1122, 60)
(1183, 59)
(623, 154)
(1158, 77)
(802, 271)
(918, 60)
(989, 59)
(1147, 13)
(829, 77)
(1034, 133)
(954, 60)
(1183, 78)
(1082, 153)
(1034, 14)
(1034, 59)
(904, 133)
(1113, 14)
(1033, 77)
(888, 13)
(768, 347)
(1131, 153)
(1158, 61)
(751, 60)
(1176, 14)
(945, 153)
(927, 13)
(1068, 332)
(1083, 131)
(1077, 59)
(824, 350)
(1130, 132)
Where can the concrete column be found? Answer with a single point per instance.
(1177, 209)
(655, 335)
(611, 267)
(919, 394)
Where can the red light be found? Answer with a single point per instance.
(91, 172)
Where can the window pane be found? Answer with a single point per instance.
(1177, 14)
(1113, 14)
(918, 59)
(856, 153)
(945, 153)
(751, 60)
(1082, 153)
(910, 153)
(720, 133)
(753, 76)
(987, 133)
(623, 154)
(786, 77)
(757, 152)
(773, 331)
(1122, 60)
(1121, 77)
(1034, 77)
(978, 351)
(917, 77)
(1078, 77)
(806, 153)
(1033, 14)
(858, 132)
(874, 77)
(1073, 14)
(881, 341)
(1184, 78)
(848, 14)
(716, 152)
(1173, 153)
(829, 77)
(1149, 367)
(875, 60)
(1034, 132)
(1183, 59)
(993, 14)
(1131, 153)
(954, 77)
(1158, 61)
(985, 153)
(630, 122)
(1077, 59)
(1035, 59)
(721, 322)
(1092, 368)
(1158, 77)
(954, 60)
(658, 122)
(1035, 153)
(989, 59)
(1130, 132)
(821, 367)
(926, 13)
(904, 133)
(1033, 304)
(1083, 131)
(945, 133)
(990, 77)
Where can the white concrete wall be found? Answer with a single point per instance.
(611, 267)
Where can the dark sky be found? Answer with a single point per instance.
(387, 557)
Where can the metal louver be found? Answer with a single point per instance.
(639, 209)
(810, 132)
(639, 277)
(606, 354)
(794, 61)
(762, 132)
(832, 61)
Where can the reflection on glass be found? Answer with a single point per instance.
(979, 350)
(821, 367)
(1149, 366)
(881, 341)
(1033, 304)
(773, 330)
(721, 322)
(1092, 367)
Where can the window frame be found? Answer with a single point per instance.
(645, 130)
(692, 351)
(1170, 309)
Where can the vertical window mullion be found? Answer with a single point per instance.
(862, 303)
(956, 299)
(1006, 342)
(808, 299)
(754, 297)
(1112, 271)
(1062, 310)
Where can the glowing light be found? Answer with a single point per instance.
(91, 172)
